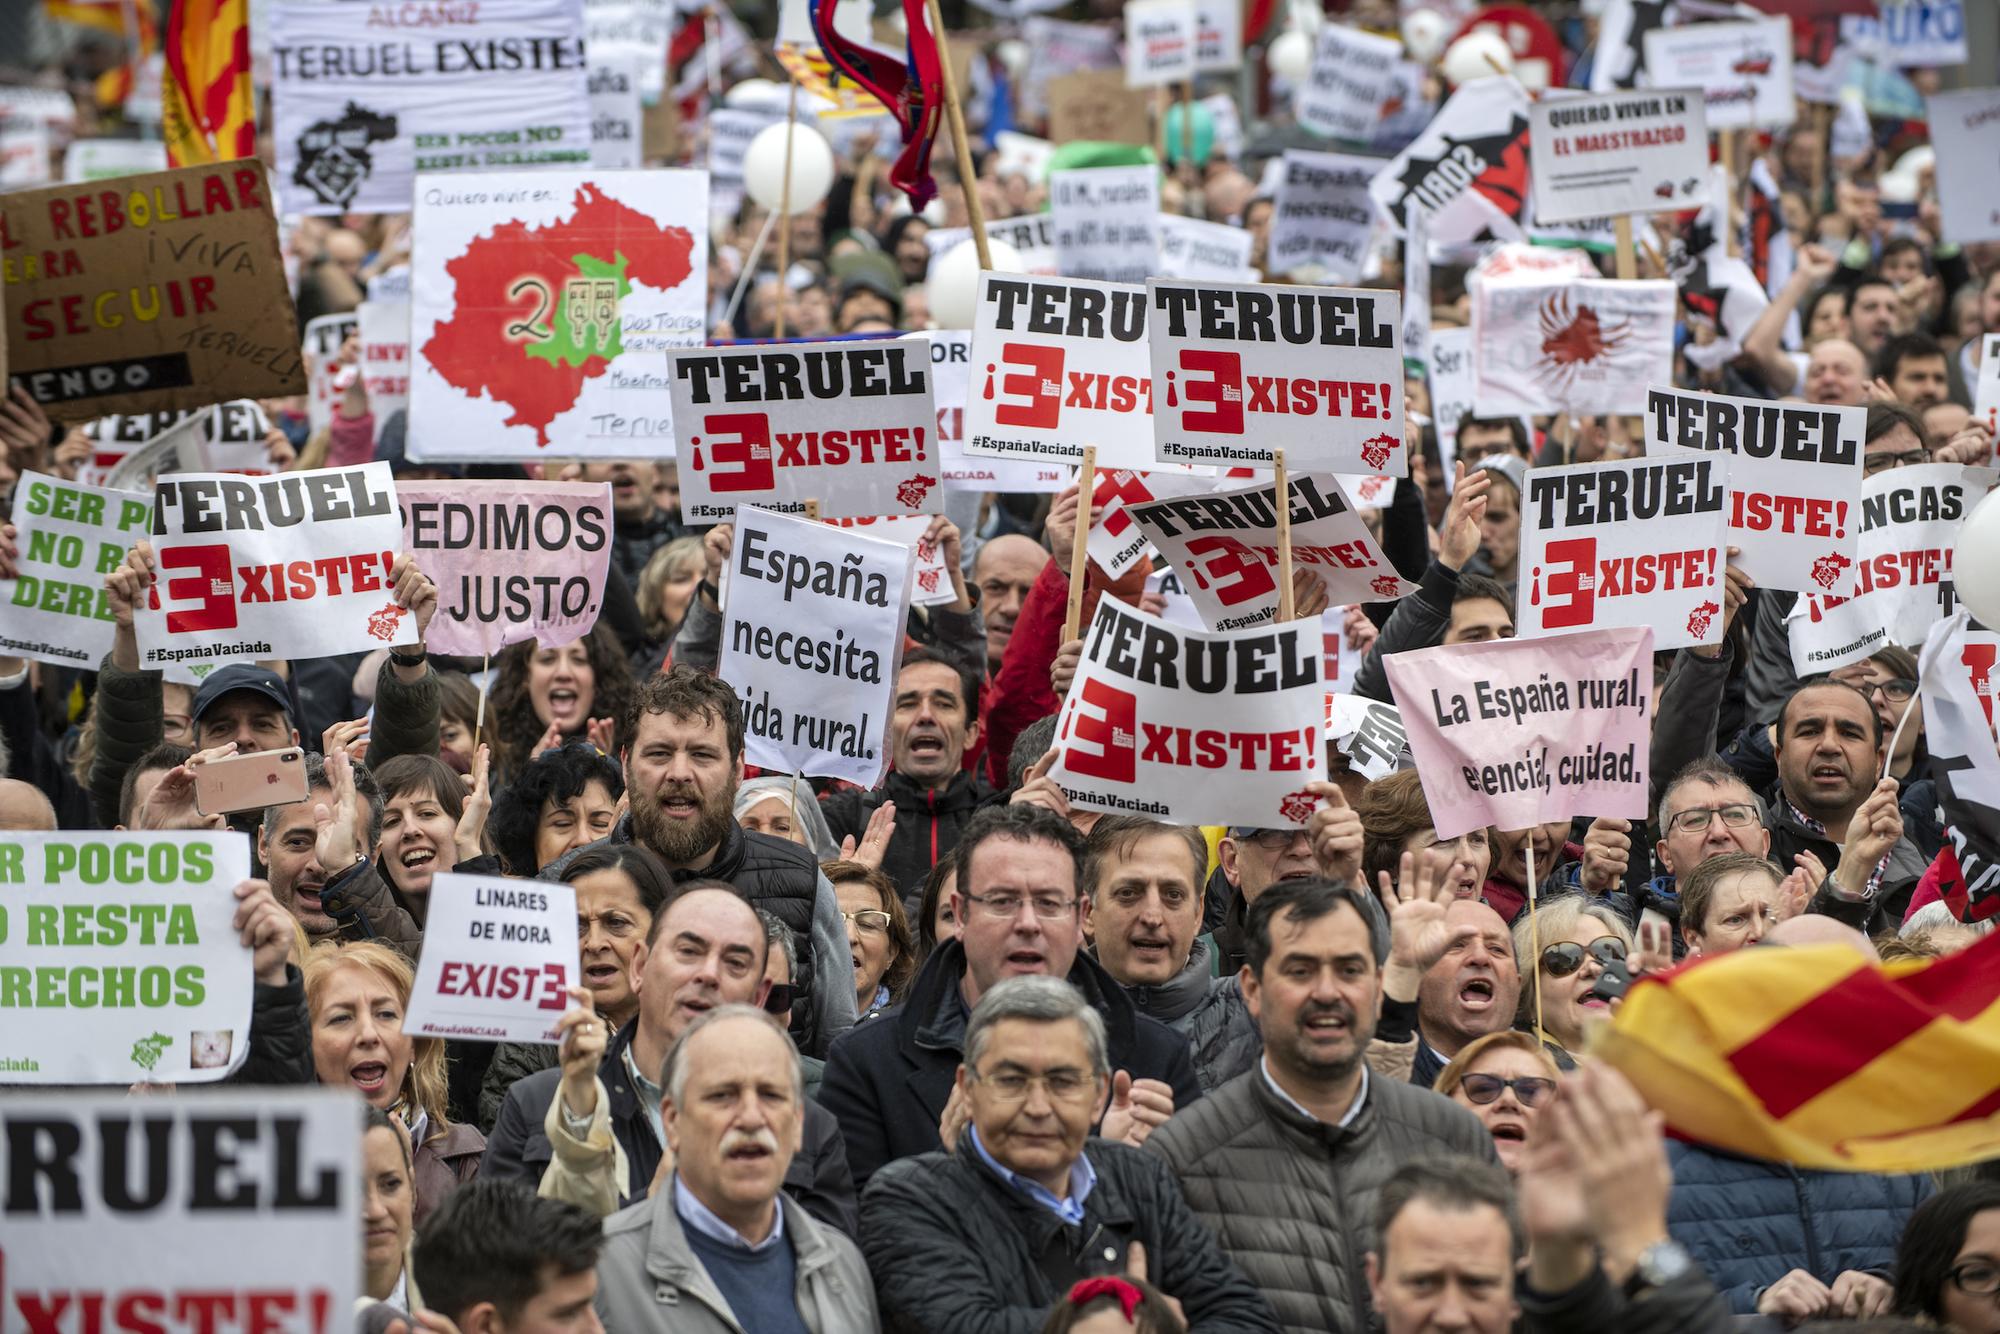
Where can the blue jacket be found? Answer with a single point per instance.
(1750, 1222)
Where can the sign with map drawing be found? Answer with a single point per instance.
(541, 307)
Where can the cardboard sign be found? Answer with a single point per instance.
(499, 956)
(1587, 346)
(236, 1210)
(1343, 93)
(1203, 251)
(1104, 219)
(1242, 371)
(1968, 163)
(931, 584)
(1910, 519)
(540, 303)
(1468, 170)
(848, 424)
(617, 128)
(1058, 364)
(162, 291)
(1625, 542)
(1159, 42)
(512, 561)
(812, 638)
(70, 537)
(1322, 216)
(1191, 727)
(1095, 106)
(1637, 152)
(1032, 235)
(122, 962)
(327, 379)
(1794, 480)
(1227, 545)
(362, 104)
(385, 358)
(89, 160)
(1369, 732)
(1744, 70)
(1909, 34)
(293, 566)
(1516, 733)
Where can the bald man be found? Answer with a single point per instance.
(1837, 373)
(24, 806)
(1004, 570)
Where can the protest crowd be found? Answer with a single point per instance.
(1001, 665)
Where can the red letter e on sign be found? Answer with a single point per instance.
(1112, 729)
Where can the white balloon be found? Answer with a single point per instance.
(1424, 32)
(764, 167)
(1291, 55)
(1013, 55)
(1477, 55)
(751, 93)
(1975, 567)
(953, 282)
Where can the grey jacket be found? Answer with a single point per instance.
(649, 1279)
(1292, 1199)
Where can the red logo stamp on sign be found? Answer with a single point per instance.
(1826, 571)
(382, 624)
(1376, 449)
(1699, 619)
(912, 492)
(1383, 584)
(928, 580)
(1297, 806)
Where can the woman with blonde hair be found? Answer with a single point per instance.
(1563, 949)
(1505, 1079)
(666, 587)
(357, 994)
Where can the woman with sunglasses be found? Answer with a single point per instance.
(1571, 940)
(1948, 1263)
(878, 934)
(1504, 1079)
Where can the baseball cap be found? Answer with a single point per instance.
(240, 676)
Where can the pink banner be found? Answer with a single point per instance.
(1517, 732)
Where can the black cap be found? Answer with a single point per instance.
(240, 676)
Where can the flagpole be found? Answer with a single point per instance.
(785, 208)
(1628, 259)
(954, 114)
(1534, 937)
(1079, 547)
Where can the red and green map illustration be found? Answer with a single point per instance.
(535, 309)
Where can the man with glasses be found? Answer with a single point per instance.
(892, 1081)
(1706, 811)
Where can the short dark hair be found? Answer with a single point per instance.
(646, 871)
(1899, 348)
(1114, 837)
(1869, 279)
(944, 870)
(687, 693)
(1456, 1182)
(1826, 682)
(1517, 434)
(1884, 417)
(1023, 823)
(365, 789)
(1304, 901)
(165, 755)
(1030, 745)
(1931, 1242)
(495, 1240)
(426, 773)
(1714, 771)
(968, 684)
(559, 775)
(1697, 887)
(1472, 586)
(1897, 245)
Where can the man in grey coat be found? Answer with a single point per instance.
(719, 1249)
(1284, 1162)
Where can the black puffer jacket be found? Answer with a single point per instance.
(280, 1035)
(928, 823)
(956, 1250)
(1209, 1012)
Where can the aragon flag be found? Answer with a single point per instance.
(1818, 1057)
(209, 109)
(911, 88)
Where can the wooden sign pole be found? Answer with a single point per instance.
(785, 211)
(1079, 547)
(1287, 610)
(954, 115)
(1628, 258)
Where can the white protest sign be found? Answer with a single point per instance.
(120, 959)
(1240, 372)
(1515, 733)
(848, 424)
(1625, 542)
(1590, 345)
(1104, 219)
(25, 152)
(1218, 35)
(1743, 69)
(88, 160)
(385, 357)
(646, 28)
(182, 446)
(1160, 38)
(1059, 364)
(1116, 543)
(1637, 152)
(293, 566)
(1192, 727)
(1352, 71)
(1416, 293)
(540, 303)
(1468, 170)
(1909, 34)
(328, 379)
(1322, 216)
(931, 584)
(129, 451)
(1452, 378)
(1340, 660)
(812, 638)
(1033, 236)
(617, 136)
(1965, 131)
(237, 1210)
(362, 105)
(1227, 546)
(730, 130)
(1369, 732)
(1910, 518)
(70, 537)
(499, 958)
(1794, 480)
(951, 378)
(1368, 491)
(1203, 251)
(1986, 393)
(1056, 47)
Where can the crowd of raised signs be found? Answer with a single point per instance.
(1230, 782)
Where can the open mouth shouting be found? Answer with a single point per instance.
(370, 1077)
(565, 707)
(680, 802)
(1476, 994)
(1508, 1129)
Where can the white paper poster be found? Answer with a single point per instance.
(540, 306)
(617, 136)
(848, 424)
(1636, 152)
(1160, 38)
(1033, 236)
(1116, 543)
(1104, 221)
(1909, 34)
(1452, 380)
(931, 584)
(1322, 217)
(812, 638)
(363, 104)
(1588, 346)
(499, 958)
(1468, 170)
(951, 380)
(1743, 69)
(326, 378)
(1965, 131)
(1352, 72)
(646, 26)
(1203, 251)
(1625, 542)
(385, 358)
(730, 130)
(1369, 732)
(1986, 393)
(70, 537)
(1218, 36)
(1416, 293)
(88, 160)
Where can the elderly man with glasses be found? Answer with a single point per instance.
(891, 1081)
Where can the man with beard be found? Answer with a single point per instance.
(319, 856)
(683, 759)
(589, 1130)
(1284, 1161)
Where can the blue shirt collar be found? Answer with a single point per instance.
(702, 1219)
(1353, 1108)
(1082, 1177)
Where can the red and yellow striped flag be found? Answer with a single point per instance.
(131, 19)
(1815, 1056)
(210, 110)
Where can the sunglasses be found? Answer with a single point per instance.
(1532, 1090)
(1565, 957)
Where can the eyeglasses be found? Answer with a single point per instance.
(1566, 956)
(1532, 1090)
(1005, 907)
(1269, 840)
(1696, 819)
(871, 920)
(1909, 458)
(1976, 1278)
(1060, 1085)
(1896, 691)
